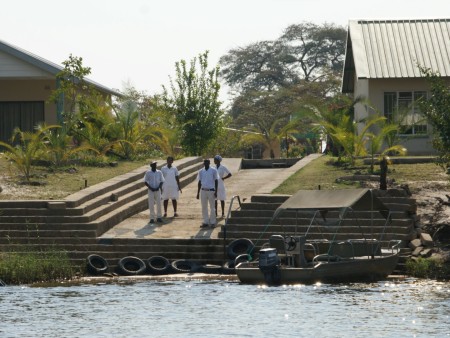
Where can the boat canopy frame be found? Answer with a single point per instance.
(319, 202)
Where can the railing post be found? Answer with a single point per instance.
(225, 225)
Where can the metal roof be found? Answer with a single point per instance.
(394, 48)
(46, 65)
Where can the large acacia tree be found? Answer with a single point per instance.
(305, 51)
(194, 101)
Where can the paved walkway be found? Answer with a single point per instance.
(243, 183)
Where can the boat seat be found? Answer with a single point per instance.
(277, 242)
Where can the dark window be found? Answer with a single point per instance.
(22, 115)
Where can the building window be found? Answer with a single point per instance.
(403, 108)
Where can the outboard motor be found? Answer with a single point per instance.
(269, 264)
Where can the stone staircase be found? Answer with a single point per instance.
(75, 223)
(254, 221)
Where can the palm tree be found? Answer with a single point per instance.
(130, 130)
(376, 142)
(271, 137)
(28, 148)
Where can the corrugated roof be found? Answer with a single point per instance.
(46, 65)
(394, 48)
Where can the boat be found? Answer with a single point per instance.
(305, 259)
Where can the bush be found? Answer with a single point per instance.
(427, 268)
(30, 266)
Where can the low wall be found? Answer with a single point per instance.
(405, 160)
(269, 163)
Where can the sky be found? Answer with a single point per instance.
(138, 42)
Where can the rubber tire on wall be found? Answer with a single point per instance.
(159, 265)
(96, 264)
(131, 265)
(185, 266)
(210, 268)
(238, 247)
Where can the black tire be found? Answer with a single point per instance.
(239, 247)
(159, 265)
(96, 264)
(210, 268)
(242, 258)
(130, 266)
(185, 266)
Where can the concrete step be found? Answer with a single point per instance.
(329, 223)
(45, 242)
(301, 229)
(254, 235)
(268, 214)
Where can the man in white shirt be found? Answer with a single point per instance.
(171, 186)
(223, 173)
(207, 184)
(154, 180)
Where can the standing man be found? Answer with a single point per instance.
(154, 180)
(223, 173)
(171, 186)
(207, 184)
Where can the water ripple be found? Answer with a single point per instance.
(407, 308)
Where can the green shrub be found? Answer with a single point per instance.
(427, 268)
(30, 266)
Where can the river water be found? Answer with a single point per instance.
(194, 308)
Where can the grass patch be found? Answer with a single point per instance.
(31, 266)
(324, 172)
(57, 184)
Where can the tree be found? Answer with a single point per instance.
(311, 48)
(305, 51)
(437, 110)
(194, 101)
(266, 115)
(72, 89)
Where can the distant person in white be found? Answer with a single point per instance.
(154, 180)
(207, 184)
(171, 186)
(223, 173)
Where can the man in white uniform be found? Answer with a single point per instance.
(207, 183)
(154, 180)
(171, 186)
(223, 173)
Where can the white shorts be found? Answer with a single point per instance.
(170, 193)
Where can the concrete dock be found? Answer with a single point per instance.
(243, 183)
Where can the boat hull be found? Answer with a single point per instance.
(351, 270)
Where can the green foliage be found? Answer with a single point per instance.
(194, 101)
(72, 89)
(437, 110)
(304, 51)
(31, 266)
(427, 268)
(226, 143)
(28, 148)
(338, 122)
(59, 146)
